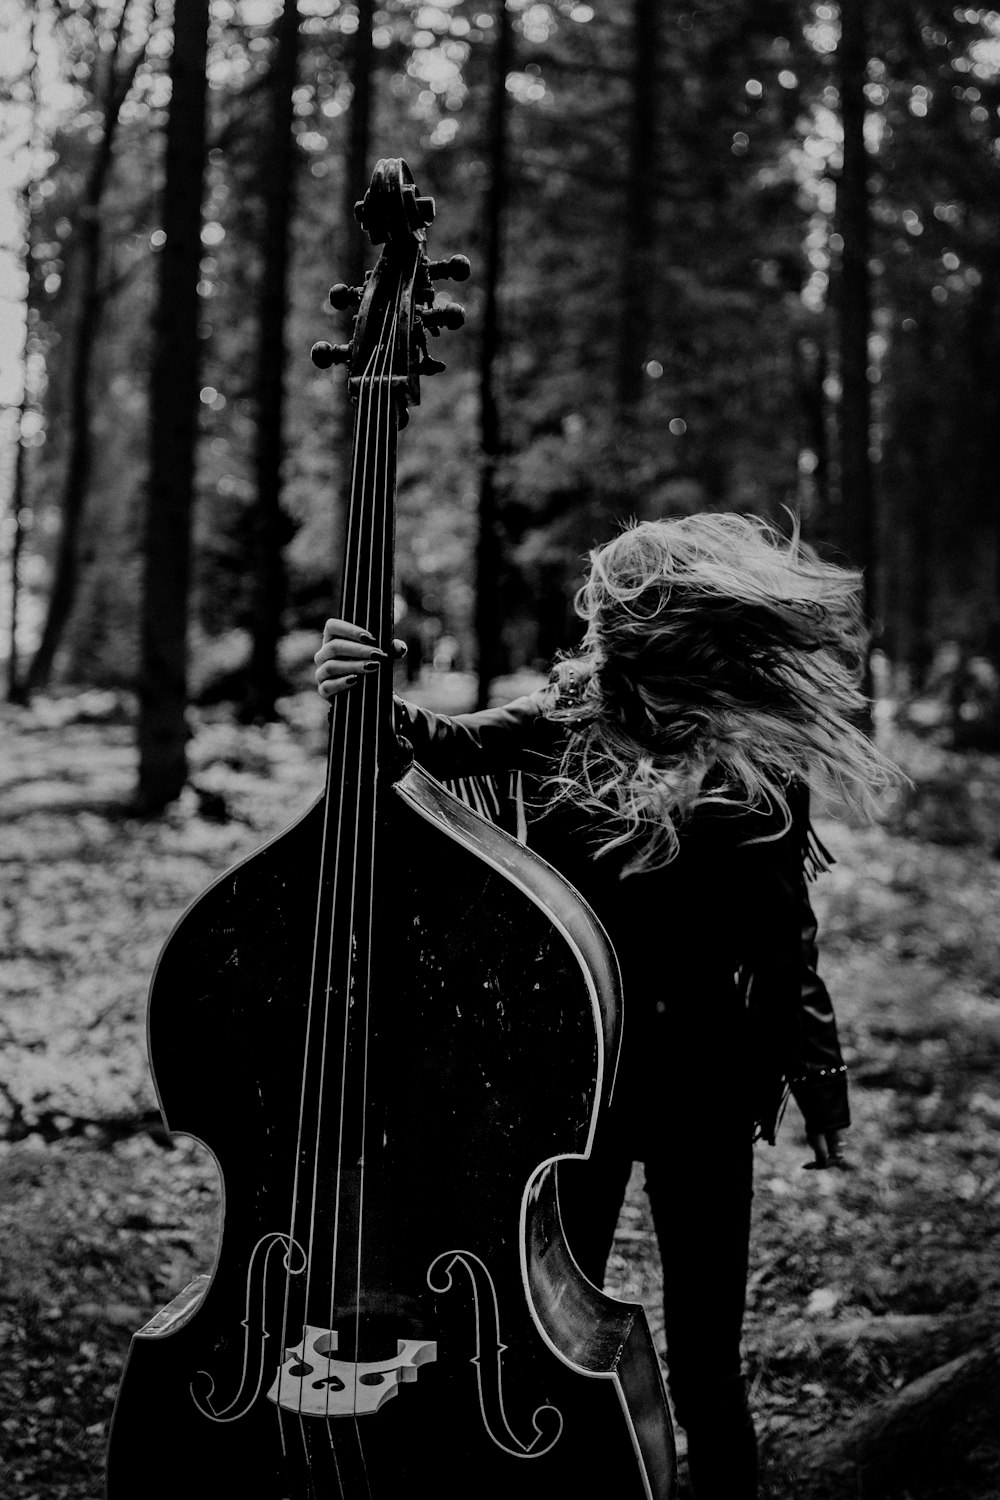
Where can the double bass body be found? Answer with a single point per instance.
(489, 1043)
(388, 1025)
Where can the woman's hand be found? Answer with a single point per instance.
(346, 654)
(826, 1151)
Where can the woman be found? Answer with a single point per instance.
(664, 771)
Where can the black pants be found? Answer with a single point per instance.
(699, 1183)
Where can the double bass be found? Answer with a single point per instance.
(388, 1025)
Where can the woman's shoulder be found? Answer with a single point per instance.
(774, 824)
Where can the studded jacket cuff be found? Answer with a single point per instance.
(821, 1094)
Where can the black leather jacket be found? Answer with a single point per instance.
(720, 943)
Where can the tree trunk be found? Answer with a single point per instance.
(358, 143)
(90, 300)
(810, 366)
(918, 526)
(352, 252)
(853, 306)
(984, 347)
(19, 499)
(174, 388)
(488, 547)
(18, 506)
(271, 527)
(641, 179)
(939, 1433)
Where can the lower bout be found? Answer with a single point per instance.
(573, 1436)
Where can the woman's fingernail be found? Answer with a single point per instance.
(352, 679)
(366, 635)
(370, 666)
(377, 652)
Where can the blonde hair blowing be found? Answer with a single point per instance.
(720, 664)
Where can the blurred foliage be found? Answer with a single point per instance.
(740, 363)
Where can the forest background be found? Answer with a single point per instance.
(736, 256)
(729, 256)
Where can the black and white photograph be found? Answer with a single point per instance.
(499, 750)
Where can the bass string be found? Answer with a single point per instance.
(347, 859)
(352, 721)
(363, 445)
(366, 758)
(380, 534)
(382, 576)
(351, 710)
(341, 1493)
(355, 516)
(353, 513)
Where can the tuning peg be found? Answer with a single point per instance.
(449, 315)
(429, 366)
(323, 355)
(342, 297)
(455, 268)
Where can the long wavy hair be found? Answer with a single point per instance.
(721, 664)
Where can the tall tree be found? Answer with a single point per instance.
(110, 94)
(853, 309)
(271, 526)
(359, 125)
(174, 387)
(352, 246)
(19, 497)
(642, 178)
(934, 199)
(488, 550)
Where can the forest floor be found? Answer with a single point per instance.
(861, 1281)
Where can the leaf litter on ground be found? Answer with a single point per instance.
(860, 1281)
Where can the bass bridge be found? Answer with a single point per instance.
(313, 1383)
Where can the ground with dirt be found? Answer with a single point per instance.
(861, 1282)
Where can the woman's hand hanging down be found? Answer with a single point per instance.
(346, 653)
(826, 1151)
